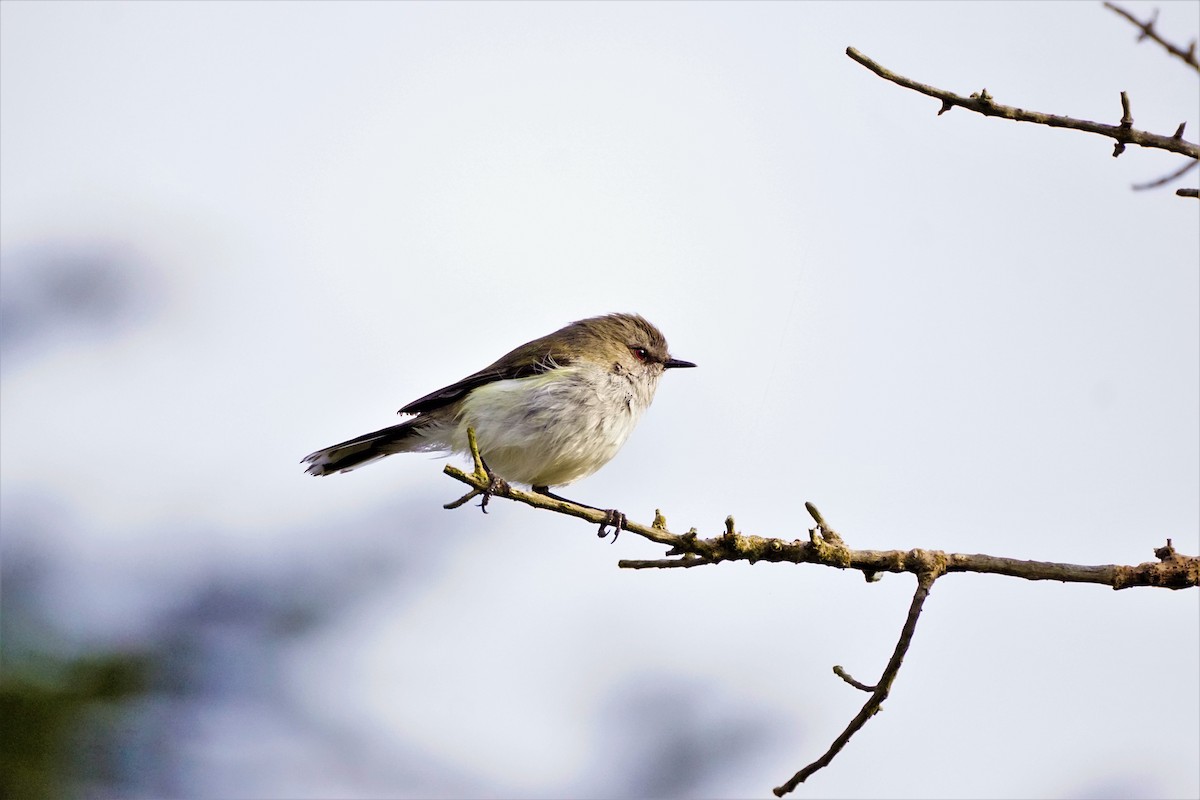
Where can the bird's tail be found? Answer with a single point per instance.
(364, 449)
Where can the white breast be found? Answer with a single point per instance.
(554, 428)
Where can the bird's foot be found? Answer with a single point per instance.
(614, 519)
(496, 485)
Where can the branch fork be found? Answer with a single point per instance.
(825, 546)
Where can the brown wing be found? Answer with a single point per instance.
(532, 358)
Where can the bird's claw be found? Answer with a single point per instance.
(496, 485)
(614, 519)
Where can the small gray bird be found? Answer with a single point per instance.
(550, 412)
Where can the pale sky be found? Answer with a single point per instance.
(946, 332)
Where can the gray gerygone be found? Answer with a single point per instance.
(550, 412)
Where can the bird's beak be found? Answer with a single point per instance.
(675, 363)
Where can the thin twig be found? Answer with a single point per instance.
(664, 563)
(1188, 56)
(983, 103)
(880, 690)
(1179, 173)
(848, 678)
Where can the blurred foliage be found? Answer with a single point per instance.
(51, 712)
(83, 714)
(61, 707)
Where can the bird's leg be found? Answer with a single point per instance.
(612, 518)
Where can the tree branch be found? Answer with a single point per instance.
(1147, 28)
(982, 103)
(825, 547)
(879, 691)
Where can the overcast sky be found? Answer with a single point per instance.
(946, 332)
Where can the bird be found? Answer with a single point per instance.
(545, 414)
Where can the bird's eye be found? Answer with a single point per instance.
(639, 353)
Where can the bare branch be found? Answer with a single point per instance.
(1148, 32)
(879, 692)
(1179, 173)
(982, 103)
(825, 546)
(1188, 192)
